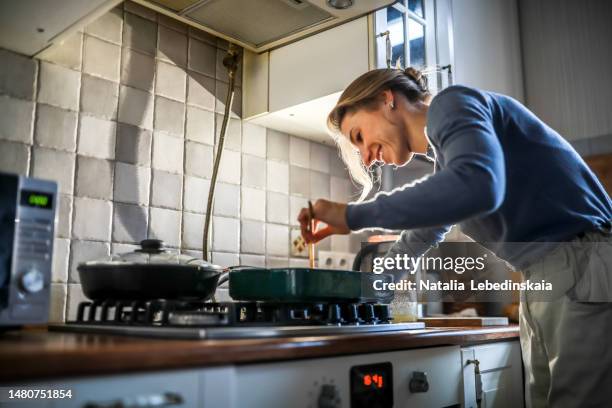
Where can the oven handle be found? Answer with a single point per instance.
(167, 399)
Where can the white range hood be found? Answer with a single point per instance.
(30, 26)
(261, 25)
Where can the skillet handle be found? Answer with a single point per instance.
(224, 277)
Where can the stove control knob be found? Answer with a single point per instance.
(32, 281)
(418, 382)
(329, 398)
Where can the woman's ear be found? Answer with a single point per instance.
(389, 98)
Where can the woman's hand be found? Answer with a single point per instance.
(331, 213)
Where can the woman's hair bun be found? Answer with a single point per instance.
(418, 77)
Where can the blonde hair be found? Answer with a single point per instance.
(366, 92)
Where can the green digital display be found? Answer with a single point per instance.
(36, 199)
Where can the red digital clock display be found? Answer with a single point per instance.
(372, 386)
(373, 380)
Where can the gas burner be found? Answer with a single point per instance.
(231, 320)
(195, 313)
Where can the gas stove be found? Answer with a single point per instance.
(231, 320)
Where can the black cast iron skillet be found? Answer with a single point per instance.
(142, 281)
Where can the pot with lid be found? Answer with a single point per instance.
(151, 272)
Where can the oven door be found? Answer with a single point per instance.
(8, 207)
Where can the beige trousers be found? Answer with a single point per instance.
(566, 338)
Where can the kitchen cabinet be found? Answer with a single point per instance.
(480, 39)
(424, 377)
(492, 374)
(293, 88)
(168, 389)
(567, 59)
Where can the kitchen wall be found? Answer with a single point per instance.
(125, 115)
(567, 58)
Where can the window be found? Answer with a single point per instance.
(411, 34)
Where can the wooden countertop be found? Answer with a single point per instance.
(34, 354)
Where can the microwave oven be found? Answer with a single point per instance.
(27, 221)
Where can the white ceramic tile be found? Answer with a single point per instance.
(132, 184)
(277, 240)
(166, 190)
(340, 189)
(225, 259)
(296, 204)
(101, 58)
(92, 219)
(139, 33)
(193, 227)
(319, 185)
(340, 243)
(277, 176)
(59, 86)
(169, 116)
(55, 128)
(201, 91)
(253, 237)
(233, 133)
(299, 152)
(200, 126)
(54, 165)
(61, 252)
(196, 194)
(229, 169)
(130, 223)
(17, 75)
(167, 153)
(319, 157)
(277, 145)
(202, 57)
(85, 251)
(57, 307)
(99, 97)
(253, 260)
(226, 234)
(253, 139)
(14, 157)
(172, 45)
(276, 262)
(165, 225)
(63, 227)
(137, 69)
(277, 209)
(199, 160)
(253, 204)
(107, 27)
(227, 200)
(135, 107)
(97, 137)
(170, 81)
(75, 296)
(253, 171)
(299, 181)
(16, 123)
(67, 53)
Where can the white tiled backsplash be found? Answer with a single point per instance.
(125, 116)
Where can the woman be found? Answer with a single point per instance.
(514, 185)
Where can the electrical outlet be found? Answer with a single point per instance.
(336, 260)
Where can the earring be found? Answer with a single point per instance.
(392, 105)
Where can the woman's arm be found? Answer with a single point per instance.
(472, 179)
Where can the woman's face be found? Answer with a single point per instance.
(382, 134)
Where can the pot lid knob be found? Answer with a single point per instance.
(151, 246)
